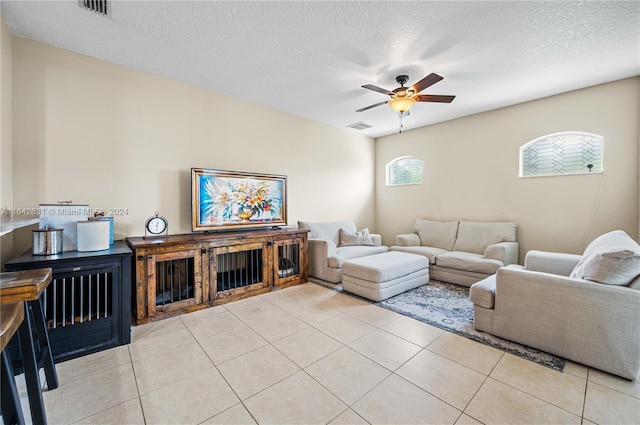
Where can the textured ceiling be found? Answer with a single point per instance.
(310, 58)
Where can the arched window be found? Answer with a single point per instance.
(561, 153)
(405, 170)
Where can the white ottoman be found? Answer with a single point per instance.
(380, 276)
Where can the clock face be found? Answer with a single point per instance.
(156, 225)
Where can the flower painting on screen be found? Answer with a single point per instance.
(238, 199)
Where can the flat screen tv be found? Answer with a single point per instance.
(227, 200)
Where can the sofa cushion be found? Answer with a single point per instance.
(328, 231)
(361, 237)
(468, 261)
(612, 258)
(438, 234)
(474, 236)
(345, 253)
(427, 251)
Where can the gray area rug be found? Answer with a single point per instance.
(448, 307)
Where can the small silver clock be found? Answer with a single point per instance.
(156, 225)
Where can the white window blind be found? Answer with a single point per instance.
(405, 170)
(560, 154)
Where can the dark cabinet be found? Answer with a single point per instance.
(87, 305)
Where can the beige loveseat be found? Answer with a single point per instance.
(461, 252)
(583, 308)
(333, 243)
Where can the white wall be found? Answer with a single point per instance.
(471, 171)
(112, 137)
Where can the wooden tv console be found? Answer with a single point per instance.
(182, 273)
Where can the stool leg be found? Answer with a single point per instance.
(45, 346)
(9, 400)
(31, 374)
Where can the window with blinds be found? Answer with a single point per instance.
(405, 170)
(561, 154)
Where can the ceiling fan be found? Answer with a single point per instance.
(403, 97)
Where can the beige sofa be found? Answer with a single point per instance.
(461, 252)
(583, 308)
(333, 243)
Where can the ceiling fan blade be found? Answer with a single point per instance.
(434, 98)
(378, 89)
(372, 106)
(427, 81)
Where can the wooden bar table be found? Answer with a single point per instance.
(28, 286)
(11, 316)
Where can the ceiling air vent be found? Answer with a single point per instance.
(359, 126)
(97, 6)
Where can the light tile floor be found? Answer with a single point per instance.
(307, 355)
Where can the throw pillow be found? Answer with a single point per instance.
(361, 237)
(436, 234)
(612, 258)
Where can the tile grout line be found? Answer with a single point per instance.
(135, 378)
(221, 374)
(115, 405)
(584, 399)
(487, 376)
(637, 382)
(536, 397)
(422, 389)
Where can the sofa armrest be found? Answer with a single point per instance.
(376, 238)
(319, 251)
(409, 239)
(507, 252)
(551, 262)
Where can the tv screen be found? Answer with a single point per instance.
(226, 200)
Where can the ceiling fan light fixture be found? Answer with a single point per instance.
(401, 104)
(403, 98)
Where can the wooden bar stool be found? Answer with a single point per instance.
(11, 316)
(27, 286)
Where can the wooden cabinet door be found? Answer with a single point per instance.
(174, 281)
(289, 261)
(237, 271)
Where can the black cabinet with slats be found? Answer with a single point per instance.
(87, 305)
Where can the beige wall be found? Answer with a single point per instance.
(6, 188)
(6, 184)
(112, 137)
(471, 170)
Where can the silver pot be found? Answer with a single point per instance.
(47, 241)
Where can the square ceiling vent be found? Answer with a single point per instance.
(97, 6)
(359, 126)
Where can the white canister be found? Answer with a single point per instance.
(93, 235)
